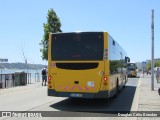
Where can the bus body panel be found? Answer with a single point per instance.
(78, 80)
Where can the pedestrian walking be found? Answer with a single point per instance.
(13, 78)
(158, 75)
(44, 76)
(143, 73)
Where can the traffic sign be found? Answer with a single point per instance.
(143, 63)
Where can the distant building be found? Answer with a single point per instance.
(142, 65)
(157, 59)
(139, 65)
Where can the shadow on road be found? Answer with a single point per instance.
(122, 103)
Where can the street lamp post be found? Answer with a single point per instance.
(152, 51)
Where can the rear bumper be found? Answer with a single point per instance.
(131, 75)
(101, 94)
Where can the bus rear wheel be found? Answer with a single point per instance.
(125, 82)
(116, 90)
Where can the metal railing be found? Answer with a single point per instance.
(14, 79)
(37, 77)
(28, 78)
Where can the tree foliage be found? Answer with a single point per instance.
(148, 66)
(52, 25)
(156, 64)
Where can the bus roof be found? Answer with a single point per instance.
(80, 32)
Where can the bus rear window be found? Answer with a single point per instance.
(77, 46)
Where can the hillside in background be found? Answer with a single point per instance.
(21, 66)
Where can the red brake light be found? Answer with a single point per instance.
(105, 78)
(49, 77)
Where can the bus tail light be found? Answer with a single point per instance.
(49, 82)
(104, 83)
(50, 86)
(105, 78)
(49, 77)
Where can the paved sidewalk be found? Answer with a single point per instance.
(33, 85)
(149, 100)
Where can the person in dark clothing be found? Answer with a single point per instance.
(13, 78)
(44, 76)
(158, 75)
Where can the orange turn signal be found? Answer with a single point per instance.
(49, 82)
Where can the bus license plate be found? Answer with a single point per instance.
(75, 95)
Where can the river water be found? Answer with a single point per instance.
(34, 73)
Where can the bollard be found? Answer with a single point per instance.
(159, 91)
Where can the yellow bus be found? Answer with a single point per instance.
(132, 69)
(85, 65)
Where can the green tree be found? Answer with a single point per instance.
(156, 64)
(52, 25)
(148, 66)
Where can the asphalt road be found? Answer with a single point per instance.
(123, 102)
(37, 100)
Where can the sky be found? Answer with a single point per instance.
(127, 21)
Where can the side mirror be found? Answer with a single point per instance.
(127, 59)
